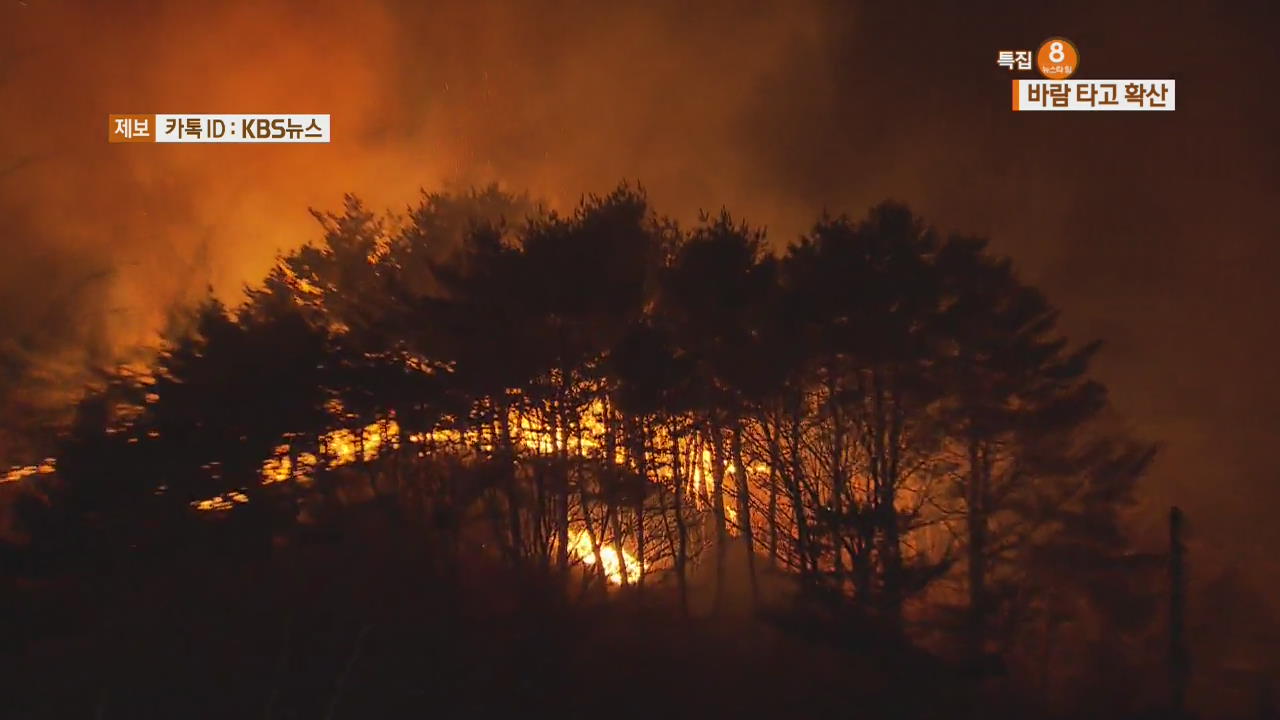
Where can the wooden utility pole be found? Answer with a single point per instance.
(1179, 659)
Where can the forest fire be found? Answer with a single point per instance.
(846, 399)
(642, 445)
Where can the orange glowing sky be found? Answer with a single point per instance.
(420, 96)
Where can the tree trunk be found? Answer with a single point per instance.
(744, 507)
(804, 552)
(595, 539)
(506, 456)
(772, 519)
(562, 502)
(718, 511)
(642, 469)
(612, 474)
(837, 479)
(977, 529)
(611, 517)
(888, 430)
(682, 532)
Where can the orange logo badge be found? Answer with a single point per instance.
(1057, 58)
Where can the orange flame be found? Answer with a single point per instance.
(613, 562)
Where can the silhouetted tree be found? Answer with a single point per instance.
(1011, 382)
(710, 298)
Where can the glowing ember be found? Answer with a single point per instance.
(221, 502)
(17, 473)
(283, 467)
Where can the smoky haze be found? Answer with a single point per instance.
(1152, 231)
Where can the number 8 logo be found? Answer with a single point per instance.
(1057, 58)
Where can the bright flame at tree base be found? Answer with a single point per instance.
(611, 560)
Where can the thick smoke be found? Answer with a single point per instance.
(561, 100)
(101, 240)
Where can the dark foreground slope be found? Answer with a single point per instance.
(358, 627)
